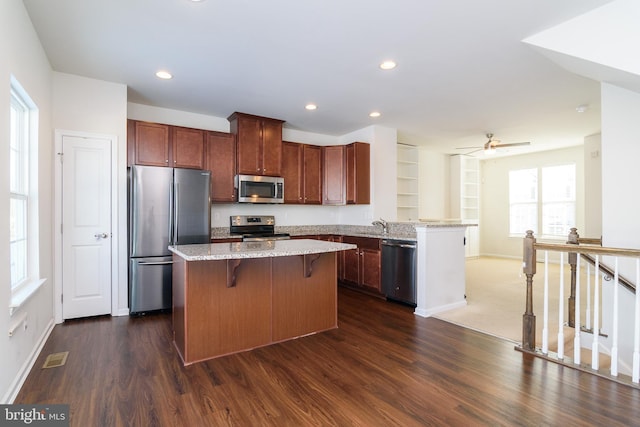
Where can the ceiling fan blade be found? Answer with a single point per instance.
(468, 148)
(474, 151)
(512, 144)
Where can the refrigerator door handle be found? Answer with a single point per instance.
(171, 214)
(156, 263)
(176, 212)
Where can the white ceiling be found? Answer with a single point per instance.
(462, 71)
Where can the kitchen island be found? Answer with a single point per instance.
(232, 297)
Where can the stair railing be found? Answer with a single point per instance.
(576, 254)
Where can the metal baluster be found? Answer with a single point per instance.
(576, 320)
(614, 341)
(545, 314)
(595, 346)
(561, 310)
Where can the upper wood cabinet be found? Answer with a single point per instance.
(346, 171)
(148, 143)
(358, 167)
(302, 173)
(259, 144)
(187, 147)
(333, 175)
(292, 172)
(155, 144)
(220, 159)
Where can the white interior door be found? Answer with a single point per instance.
(86, 226)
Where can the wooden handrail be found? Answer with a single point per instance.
(609, 272)
(563, 247)
(590, 241)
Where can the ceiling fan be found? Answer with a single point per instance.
(491, 145)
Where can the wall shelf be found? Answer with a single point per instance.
(407, 181)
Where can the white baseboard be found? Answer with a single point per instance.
(17, 383)
(423, 312)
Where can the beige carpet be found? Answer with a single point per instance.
(496, 297)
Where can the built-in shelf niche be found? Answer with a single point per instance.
(408, 194)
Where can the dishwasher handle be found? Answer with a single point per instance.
(399, 244)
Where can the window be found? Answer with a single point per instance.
(554, 212)
(18, 188)
(23, 179)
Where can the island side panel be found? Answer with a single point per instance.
(178, 289)
(223, 320)
(303, 305)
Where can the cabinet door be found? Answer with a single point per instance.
(357, 173)
(221, 161)
(249, 131)
(150, 143)
(292, 171)
(333, 175)
(350, 267)
(188, 147)
(370, 269)
(271, 148)
(312, 174)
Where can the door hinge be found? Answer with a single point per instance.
(61, 298)
(60, 155)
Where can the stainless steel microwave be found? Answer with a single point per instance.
(259, 189)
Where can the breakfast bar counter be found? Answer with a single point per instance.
(232, 297)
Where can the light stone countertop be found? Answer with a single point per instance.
(267, 249)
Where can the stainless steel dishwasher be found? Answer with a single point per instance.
(399, 270)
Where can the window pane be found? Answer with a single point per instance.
(523, 201)
(558, 199)
(18, 239)
(19, 187)
(558, 218)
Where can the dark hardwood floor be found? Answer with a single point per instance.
(383, 366)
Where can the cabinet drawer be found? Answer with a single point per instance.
(363, 242)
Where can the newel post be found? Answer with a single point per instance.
(573, 261)
(529, 269)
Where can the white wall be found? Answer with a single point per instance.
(98, 107)
(383, 172)
(620, 202)
(494, 204)
(433, 185)
(592, 186)
(22, 55)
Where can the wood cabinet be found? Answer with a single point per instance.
(302, 173)
(259, 144)
(148, 143)
(333, 175)
(226, 306)
(156, 144)
(346, 170)
(361, 266)
(187, 147)
(221, 161)
(358, 167)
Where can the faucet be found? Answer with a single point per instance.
(383, 223)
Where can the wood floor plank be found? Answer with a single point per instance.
(382, 366)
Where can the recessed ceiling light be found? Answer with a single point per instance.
(582, 108)
(164, 75)
(311, 106)
(388, 65)
(374, 114)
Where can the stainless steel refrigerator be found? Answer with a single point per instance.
(167, 206)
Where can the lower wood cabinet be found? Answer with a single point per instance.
(361, 266)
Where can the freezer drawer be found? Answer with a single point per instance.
(149, 284)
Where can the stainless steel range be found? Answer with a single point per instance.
(255, 228)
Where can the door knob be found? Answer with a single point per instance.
(101, 235)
